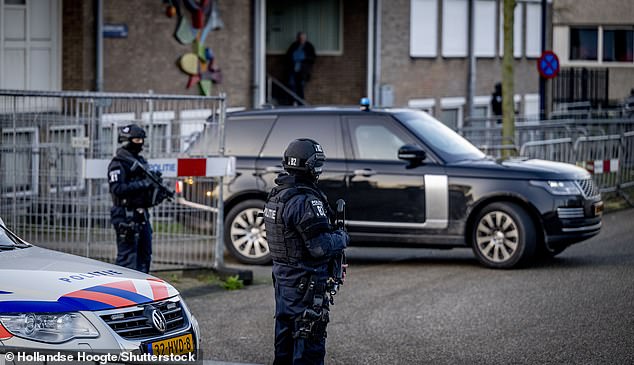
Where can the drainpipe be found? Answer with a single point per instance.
(374, 72)
(472, 62)
(542, 81)
(99, 46)
(259, 53)
(370, 52)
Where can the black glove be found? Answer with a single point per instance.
(158, 175)
(145, 183)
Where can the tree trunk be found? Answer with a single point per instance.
(508, 109)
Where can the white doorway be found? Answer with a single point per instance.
(30, 45)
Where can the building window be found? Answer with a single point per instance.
(320, 19)
(533, 30)
(423, 31)
(583, 44)
(484, 36)
(159, 134)
(451, 111)
(454, 28)
(426, 105)
(67, 170)
(618, 45)
(108, 143)
(19, 162)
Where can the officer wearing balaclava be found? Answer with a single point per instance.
(131, 192)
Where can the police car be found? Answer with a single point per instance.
(408, 180)
(51, 301)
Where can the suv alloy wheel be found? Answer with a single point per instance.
(245, 236)
(503, 236)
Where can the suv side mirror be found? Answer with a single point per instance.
(412, 154)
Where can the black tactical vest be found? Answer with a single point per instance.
(140, 199)
(285, 245)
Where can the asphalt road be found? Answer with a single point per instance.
(403, 306)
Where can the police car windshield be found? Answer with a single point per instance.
(449, 145)
(9, 240)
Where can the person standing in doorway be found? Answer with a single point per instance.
(300, 58)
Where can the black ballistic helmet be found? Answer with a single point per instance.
(304, 156)
(130, 131)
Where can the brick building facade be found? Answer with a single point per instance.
(399, 52)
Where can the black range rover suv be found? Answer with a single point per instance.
(408, 180)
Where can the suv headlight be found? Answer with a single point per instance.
(558, 187)
(49, 327)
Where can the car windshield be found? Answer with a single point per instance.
(9, 240)
(449, 145)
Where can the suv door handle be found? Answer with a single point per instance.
(273, 169)
(364, 172)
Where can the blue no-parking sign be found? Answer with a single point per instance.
(548, 65)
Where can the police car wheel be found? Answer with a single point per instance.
(503, 236)
(245, 236)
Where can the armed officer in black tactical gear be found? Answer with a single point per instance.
(303, 242)
(133, 192)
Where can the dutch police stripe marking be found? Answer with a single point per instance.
(137, 298)
(31, 306)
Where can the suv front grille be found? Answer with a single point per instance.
(136, 322)
(588, 187)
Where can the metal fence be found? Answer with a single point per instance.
(604, 146)
(48, 198)
(581, 84)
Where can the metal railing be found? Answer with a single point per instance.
(46, 139)
(279, 94)
(604, 146)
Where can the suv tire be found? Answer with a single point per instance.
(245, 236)
(503, 236)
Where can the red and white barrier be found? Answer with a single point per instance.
(171, 167)
(598, 167)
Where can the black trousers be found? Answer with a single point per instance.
(135, 252)
(289, 305)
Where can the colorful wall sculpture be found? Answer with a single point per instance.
(196, 19)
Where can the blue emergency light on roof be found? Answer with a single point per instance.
(365, 104)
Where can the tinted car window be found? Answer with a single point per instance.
(243, 137)
(324, 129)
(376, 138)
(448, 144)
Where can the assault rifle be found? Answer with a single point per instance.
(338, 263)
(161, 192)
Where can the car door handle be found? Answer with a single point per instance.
(364, 172)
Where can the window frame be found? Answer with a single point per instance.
(80, 155)
(599, 45)
(451, 103)
(445, 37)
(318, 52)
(35, 162)
(112, 121)
(162, 119)
(426, 105)
(418, 34)
(602, 42)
